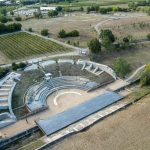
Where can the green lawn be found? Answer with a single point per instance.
(21, 45)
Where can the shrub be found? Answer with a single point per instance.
(121, 67)
(44, 32)
(18, 18)
(14, 66)
(73, 33)
(3, 72)
(62, 33)
(53, 13)
(30, 30)
(148, 36)
(145, 78)
(18, 66)
(94, 46)
(37, 15)
(126, 40)
(22, 65)
(107, 35)
(3, 19)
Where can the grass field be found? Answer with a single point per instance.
(23, 45)
(135, 57)
(127, 130)
(75, 21)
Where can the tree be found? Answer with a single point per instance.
(12, 13)
(73, 33)
(3, 11)
(30, 30)
(18, 66)
(53, 13)
(88, 10)
(132, 5)
(3, 72)
(14, 66)
(22, 65)
(59, 8)
(2, 28)
(81, 8)
(145, 78)
(62, 33)
(126, 40)
(121, 67)
(94, 46)
(18, 18)
(107, 35)
(3, 19)
(44, 32)
(37, 15)
(148, 36)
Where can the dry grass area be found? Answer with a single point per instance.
(129, 26)
(136, 57)
(4, 59)
(126, 130)
(76, 21)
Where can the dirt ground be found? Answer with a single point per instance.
(126, 130)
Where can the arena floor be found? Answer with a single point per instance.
(57, 102)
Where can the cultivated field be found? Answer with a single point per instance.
(126, 130)
(23, 45)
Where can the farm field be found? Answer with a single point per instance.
(126, 130)
(23, 45)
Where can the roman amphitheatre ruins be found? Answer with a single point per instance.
(64, 97)
(57, 94)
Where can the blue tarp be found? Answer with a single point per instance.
(72, 115)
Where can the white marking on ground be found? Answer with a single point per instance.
(55, 99)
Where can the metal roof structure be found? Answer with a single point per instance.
(72, 115)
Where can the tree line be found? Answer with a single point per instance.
(10, 27)
(64, 34)
(105, 10)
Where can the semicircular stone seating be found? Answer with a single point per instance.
(36, 97)
(7, 85)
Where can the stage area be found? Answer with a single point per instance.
(76, 113)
